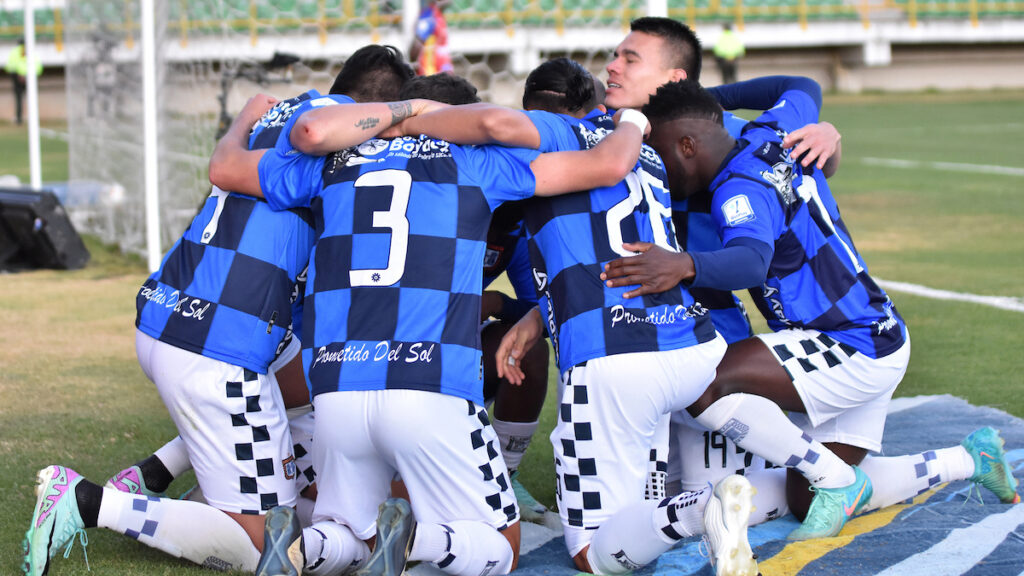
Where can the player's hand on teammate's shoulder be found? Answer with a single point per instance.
(634, 117)
(257, 106)
(409, 109)
(653, 269)
(816, 142)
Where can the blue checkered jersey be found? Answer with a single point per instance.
(572, 237)
(227, 288)
(816, 278)
(696, 231)
(393, 290)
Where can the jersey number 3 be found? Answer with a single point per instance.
(393, 218)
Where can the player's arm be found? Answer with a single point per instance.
(815, 143)
(742, 263)
(331, 128)
(479, 124)
(233, 166)
(603, 165)
(764, 92)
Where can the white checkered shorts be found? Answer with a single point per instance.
(608, 419)
(443, 447)
(845, 393)
(233, 423)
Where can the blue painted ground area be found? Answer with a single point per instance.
(951, 531)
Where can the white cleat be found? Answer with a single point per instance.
(725, 527)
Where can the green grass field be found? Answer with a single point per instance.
(71, 391)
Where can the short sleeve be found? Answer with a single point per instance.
(502, 174)
(556, 135)
(795, 109)
(290, 180)
(744, 209)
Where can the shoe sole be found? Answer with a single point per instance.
(275, 531)
(733, 502)
(43, 478)
(389, 528)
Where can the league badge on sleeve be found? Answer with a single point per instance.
(737, 210)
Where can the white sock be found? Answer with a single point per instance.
(514, 438)
(181, 528)
(332, 549)
(639, 533)
(896, 478)
(770, 500)
(304, 509)
(462, 547)
(174, 457)
(758, 425)
(682, 515)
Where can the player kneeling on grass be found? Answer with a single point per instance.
(210, 322)
(838, 347)
(393, 351)
(619, 374)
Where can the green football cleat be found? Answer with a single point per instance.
(55, 522)
(991, 469)
(529, 509)
(832, 507)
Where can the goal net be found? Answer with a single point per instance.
(211, 55)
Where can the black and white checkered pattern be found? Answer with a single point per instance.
(484, 441)
(257, 454)
(818, 353)
(576, 466)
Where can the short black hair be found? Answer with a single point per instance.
(560, 84)
(682, 99)
(442, 87)
(684, 47)
(374, 73)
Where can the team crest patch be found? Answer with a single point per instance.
(737, 210)
(289, 467)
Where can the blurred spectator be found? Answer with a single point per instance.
(17, 66)
(429, 48)
(728, 51)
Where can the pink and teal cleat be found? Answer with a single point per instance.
(55, 522)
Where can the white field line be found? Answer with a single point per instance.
(947, 166)
(1002, 302)
(962, 549)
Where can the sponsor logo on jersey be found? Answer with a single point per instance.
(372, 147)
(737, 210)
(771, 294)
(423, 148)
(279, 114)
(890, 321)
(781, 178)
(383, 351)
(664, 316)
(186, 306)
